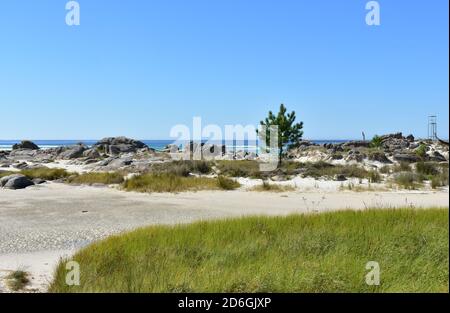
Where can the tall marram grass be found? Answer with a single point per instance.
(45, 173)
(96, 178)
(167, 182)
(299, 253)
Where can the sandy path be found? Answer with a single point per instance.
(42, 223)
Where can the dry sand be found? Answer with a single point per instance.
(40, 224)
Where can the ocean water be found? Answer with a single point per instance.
(155, 144)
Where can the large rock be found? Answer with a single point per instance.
(23, 154)
(406, 157)
(393, 142)
(25, 144)
(437, 157)
(72, 152)
(91, 154)
(379, 156)
(356, 144)
(355, 155)
(118, 145)
(119, 163)
(16, 181)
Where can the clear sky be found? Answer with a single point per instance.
(138, 67)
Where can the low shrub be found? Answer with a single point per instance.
(226, 183)
(439, 180)
(427, 168)
(421, 151)
(402, 167)
(408, 180)
(386, 169)
(374, 177)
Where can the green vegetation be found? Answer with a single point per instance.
(299, 253)
(241, 168)
(316, 169)
(421, 151)
(17, 280)
(324, 169)
(402, 167)
(176, 183)
(45, 173)
(289, 132)
(376, 142)
(386, 169)
(96, 178)
(427, 168)
(374, 177)
(5, 173)
(182, 168)
(266, 186)
(226, 183)
(408, 180)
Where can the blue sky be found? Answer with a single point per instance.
(139, 67)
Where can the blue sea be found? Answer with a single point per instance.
(155, 144)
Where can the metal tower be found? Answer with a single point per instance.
(432, 127)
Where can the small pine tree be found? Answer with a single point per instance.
(289, 132)
(376, 142)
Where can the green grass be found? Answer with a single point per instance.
(427, 168)
(374, 176)
(5, 173)
(408, 180)
(421, 151)
(266, 186)
(299, 253)
(439, 180)
(226, 183)
(402, 167)
(182, 168)
(17, 280)
(176, 183)
(239, 168)
(45, 173)
(324, 169)
(96, 178)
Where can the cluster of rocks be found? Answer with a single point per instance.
(392, 148)
(116, 153)
(107, 154)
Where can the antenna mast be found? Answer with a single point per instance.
(432, 127)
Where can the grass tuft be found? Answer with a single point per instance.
(408, 180)
(266, 186)
(226, 183)
(17, 280)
